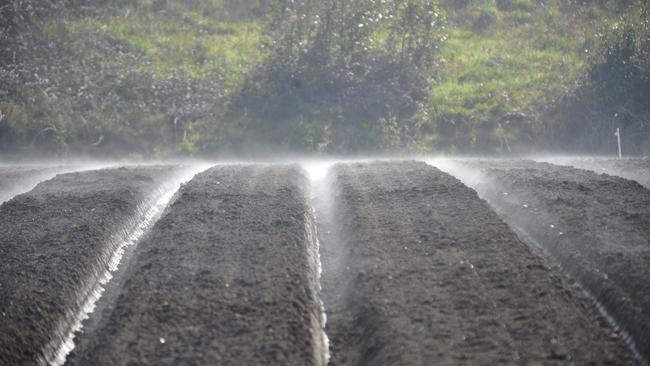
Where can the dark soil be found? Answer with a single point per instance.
(226, 277)
(53, 245)
(595, 226)
(419, 271)
(637, 169)
(20, 179)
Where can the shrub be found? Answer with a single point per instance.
(348, 65)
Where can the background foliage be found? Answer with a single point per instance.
(194, 77)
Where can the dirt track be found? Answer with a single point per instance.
(417, 270)
(54, 242)
(227, 276)
(596, 227)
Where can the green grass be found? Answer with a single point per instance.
(519, 62)
(502, 56)
(168, 45)
(496, 68)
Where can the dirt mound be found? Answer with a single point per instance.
(595, 226)
(226, 276)
(637, 169)
(54, 242)
(418, 270)
(19, 179)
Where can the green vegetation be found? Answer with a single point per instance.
(506, 61)
(144, 77)
(172, 77)
(614, 93)
(344, 76)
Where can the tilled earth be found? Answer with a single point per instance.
(19, 179)
(596, 227)
(422, 272)
(54, 241)
(416, 268)
(225, 277)
(637, 169)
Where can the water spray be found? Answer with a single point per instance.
(618, 139)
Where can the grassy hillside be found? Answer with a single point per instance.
(160, 77)
(506, 62)
(139, 77)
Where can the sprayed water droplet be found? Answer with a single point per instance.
(162, 340)
(227, 285)
(552, 226)
(525, 205)
(606, 276)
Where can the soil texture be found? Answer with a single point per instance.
(596, 227)
(227, 276)
(418, 270)
(54, 243)
(637, 169)
(20, 179)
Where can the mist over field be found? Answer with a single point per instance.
(173, 78)
(324, 182)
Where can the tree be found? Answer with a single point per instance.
(614, 93)
(340, 68)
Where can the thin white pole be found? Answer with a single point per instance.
(618, 139)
